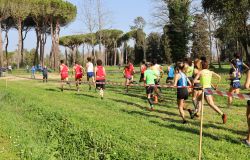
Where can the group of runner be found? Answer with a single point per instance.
(189, 77)
(97, 75)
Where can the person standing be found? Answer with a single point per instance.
(45, 74)
(64, 72)
(239, 62)
(33, 71)
(100, 76)
(78, 70)
(90, 71)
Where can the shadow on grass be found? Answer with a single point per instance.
(53, 90)
(144, 108)
(85, 95)
(196, 132)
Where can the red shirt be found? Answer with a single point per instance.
(100, 73)
(78, 69)
(143, 68)
(127, 72)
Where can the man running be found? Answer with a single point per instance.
(100, 76)
(142, 69)
(149, 82)
(132, 70)
(128, 77)
(205, 77)
(158, 71)
(90, 71)
(64, 72)
(78, 70)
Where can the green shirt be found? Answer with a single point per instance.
(190, 71)
(149, 76)
(206, 78)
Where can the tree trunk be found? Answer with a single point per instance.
(66, 56)
(218, 52)
(83, 58)
(57, 31)
(1, 46)
(115, 55)
(19, 26)
(37, 46)
(6, 48)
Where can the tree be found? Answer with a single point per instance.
(4, 13)
(178, 28)
(154, 47)
(139, 23)
(233, 16)
(165, 48)
(200, 37)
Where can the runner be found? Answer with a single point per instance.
(239, 62)
(158, 72)
(234, 77)
(78, 70)
(128, 77)
(149, 82)
(205, 76)
(64, 74)
(170, 74)
(90, 71)
(197, 91)
(132, 70)
(33, 71)
(100, 75)
(247, 86)
(142, 69)
(45, 74)
(181, 80)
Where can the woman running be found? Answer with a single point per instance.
(197, 91)
(205, 76)
(234, 77)
(181, 81)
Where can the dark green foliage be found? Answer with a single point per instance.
(154, 47)
(140, 37)
(200, 37)
(179, 28)
(165, 48)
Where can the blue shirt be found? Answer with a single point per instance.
(182, 82)
(171, 72)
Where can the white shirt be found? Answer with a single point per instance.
(90, 67)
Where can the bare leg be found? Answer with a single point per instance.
(181, 105)
(209, 99)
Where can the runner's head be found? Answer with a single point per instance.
(179, 67)
(143, 62)
(203, 58)
(148, 65)
(99, 62)
(154, 61)
(204, 65)
(237, 55)
(197, 64)
(89, 59)
(62, 61)
(234, 63)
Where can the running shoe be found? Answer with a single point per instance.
(191, 113)
(184, 122)
(224, 118)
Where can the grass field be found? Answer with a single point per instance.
(38, 121)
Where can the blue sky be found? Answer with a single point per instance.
(121, 12)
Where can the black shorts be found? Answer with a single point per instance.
(169, 79)
(45, 76)
(100, 86)
(157, 81)
(248, 103)
(208, 93)
(191, 79)
(182, 93)
(197, 86)
(150, 89)
(142, 77)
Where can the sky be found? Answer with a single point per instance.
(121, 13)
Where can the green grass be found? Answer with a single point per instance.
(38, 121)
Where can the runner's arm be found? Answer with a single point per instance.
(197, 77)
(176, 77)
(247, 83)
